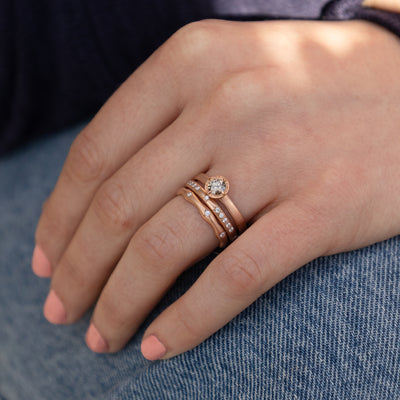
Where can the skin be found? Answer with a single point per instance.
(301, 117)
(389, 5)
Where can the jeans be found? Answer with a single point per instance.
(331, 330)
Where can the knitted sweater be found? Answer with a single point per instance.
(60, 60)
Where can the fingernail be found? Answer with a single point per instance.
(152, 348)
(40, 263)
(95, 341)
(54, 309)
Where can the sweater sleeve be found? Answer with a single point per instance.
(48, 68)
(60, 60)
(352, 9)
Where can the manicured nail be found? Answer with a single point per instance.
(95, 341)
(152, 348)
(40, 263)
(54, 309)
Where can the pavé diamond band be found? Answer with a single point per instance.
(223, 218)
(226, 202)
(206, 214)
(209, 195)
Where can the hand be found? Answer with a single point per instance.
(301, 117)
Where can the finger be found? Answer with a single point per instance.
(156, 256)
(121, 206)
(281, 241)
(136, 113)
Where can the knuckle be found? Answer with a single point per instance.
(71, 269)
(334, 188)
(188, 324)
(161, 242)
(242, 92)
(242, 274)
(52, 232)
(195, 39)
(112, 207)
(113, 312)
(85, 161)
(335, 177)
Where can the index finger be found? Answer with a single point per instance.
(135, 114)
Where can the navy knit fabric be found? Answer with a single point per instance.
(60, 60)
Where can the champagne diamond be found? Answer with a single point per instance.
(217, 187)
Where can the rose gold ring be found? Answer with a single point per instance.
(223, 218)
(217, 187)
(210, 196)
(206, 214)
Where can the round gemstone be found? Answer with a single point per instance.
(217, 210)
(231, 230)
(206, 198)
(221, 215)
(207, 213)
(222, 234)
(217, 187)
(225, 220)
(229, 225)
(188, 194)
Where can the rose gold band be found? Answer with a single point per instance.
(228, 203)
(223, 218)
(209, 196)
(206, 214)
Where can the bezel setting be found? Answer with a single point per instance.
(217, 187)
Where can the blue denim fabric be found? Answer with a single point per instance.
(331, 330)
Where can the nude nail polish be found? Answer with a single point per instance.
(40, 263)
(152, 348)
(54, 309)
(95, 341)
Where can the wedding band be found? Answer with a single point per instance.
(223, 218)
(210, 196)
(206, 214)
(225, 199)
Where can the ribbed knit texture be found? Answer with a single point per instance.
(60, 60)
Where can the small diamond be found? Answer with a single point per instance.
(222, 234)
(197, 187)
(229, 225)
(188, 194)
(217, 210)
(207, 213)
(225, 220)
(231, 230)
(221, 215)
(206, 198)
